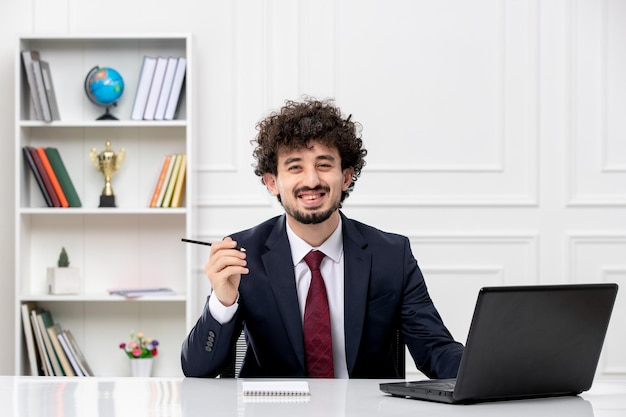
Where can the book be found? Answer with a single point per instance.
(180, 183)
(53, 331)
(171, 183)
(143, 87)
(140, 292)
(44, 320)
(69, 353)
(52, 176)
(33, 167)
(166, 88)
(27, 60)
(168, 175)
(46, 365)
(29, 336)
(78, 353)
(155, 88)
(44, 177)
(63, 177)
(177, 86)
(49, 88)
(160, 180)
(41, 89)
(275, 388)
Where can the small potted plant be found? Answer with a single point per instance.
(63, 279)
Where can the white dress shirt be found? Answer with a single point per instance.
(333, 273)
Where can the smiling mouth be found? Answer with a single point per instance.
(311, 197)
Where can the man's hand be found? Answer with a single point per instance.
(224, 268)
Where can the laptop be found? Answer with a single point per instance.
(525, 342)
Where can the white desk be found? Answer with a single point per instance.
(189, 397)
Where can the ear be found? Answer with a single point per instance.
(347, 178)
(270, 182)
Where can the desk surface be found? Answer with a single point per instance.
(190, 397)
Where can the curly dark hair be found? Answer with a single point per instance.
(297, 124)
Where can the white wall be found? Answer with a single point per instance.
(495, 127)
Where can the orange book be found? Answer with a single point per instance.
(53, 178)
(160, 181)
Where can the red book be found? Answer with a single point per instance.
(53, 178)
(44, 176)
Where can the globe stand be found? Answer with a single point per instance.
(107, 115)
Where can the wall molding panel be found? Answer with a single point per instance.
(596, 173)
(599, 258)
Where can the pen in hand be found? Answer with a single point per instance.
(198, 242)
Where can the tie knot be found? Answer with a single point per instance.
(313, 259)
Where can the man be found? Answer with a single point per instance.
(309, 156)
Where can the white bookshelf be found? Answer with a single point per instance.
(130, 245)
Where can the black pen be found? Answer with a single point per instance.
(198, 242)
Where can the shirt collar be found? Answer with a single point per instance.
(332, 247)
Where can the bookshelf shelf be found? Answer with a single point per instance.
(105, 124)
(71, 211)
(130, 245)
(103, 298)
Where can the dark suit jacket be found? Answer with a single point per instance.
(384, 291)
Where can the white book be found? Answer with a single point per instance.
(27, 60)
(143, 87)
(41, 90)
(141, 292)
(155, 88)
(50, 93)
(29, 335)
(70, 354)
(78, 354)
(41, 347)
(166, 88)
(177, 86)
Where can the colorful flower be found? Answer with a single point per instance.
(140, 346)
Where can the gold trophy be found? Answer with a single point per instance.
(108, 163)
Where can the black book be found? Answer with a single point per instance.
(33, 168)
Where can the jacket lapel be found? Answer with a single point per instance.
(357, 268)
(280, 272)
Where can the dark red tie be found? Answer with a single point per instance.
(318, 344)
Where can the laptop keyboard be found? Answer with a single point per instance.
(443, 385)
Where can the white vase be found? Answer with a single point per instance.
(141, 367)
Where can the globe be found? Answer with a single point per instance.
(104, 87)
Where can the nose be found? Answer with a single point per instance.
(311, 178)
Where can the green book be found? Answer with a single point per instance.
(63, 177)
(44, 319)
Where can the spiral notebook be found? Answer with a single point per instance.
(275, 388)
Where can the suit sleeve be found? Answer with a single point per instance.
(209, 345)
(431, 345)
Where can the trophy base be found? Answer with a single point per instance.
(107, 201)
